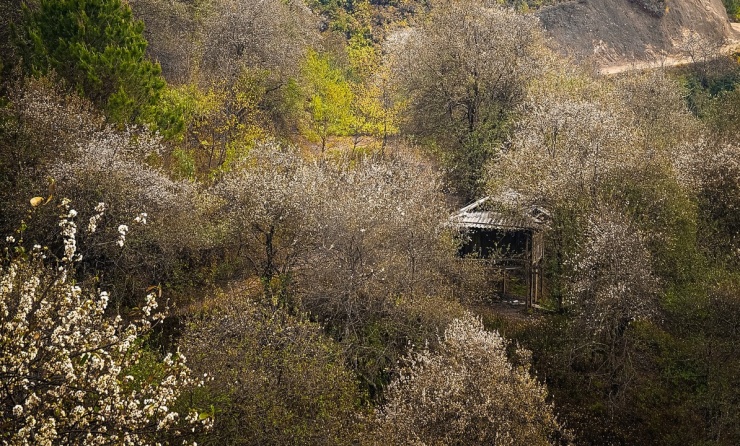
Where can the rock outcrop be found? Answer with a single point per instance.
(610, 32)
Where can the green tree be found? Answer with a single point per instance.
(328, 98)
(99, 49)
(464, 71)
(218, 124)
(375, 106)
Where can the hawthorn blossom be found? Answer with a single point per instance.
(64, 363)
(612, 282)
(467, 392)
(95, 219)
(122, 231)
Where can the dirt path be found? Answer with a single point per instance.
(669, 61)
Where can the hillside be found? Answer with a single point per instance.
(243, 222)
(612, 32)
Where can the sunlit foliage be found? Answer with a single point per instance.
(467, 392)
(71, 373)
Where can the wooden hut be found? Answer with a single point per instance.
(512, 242)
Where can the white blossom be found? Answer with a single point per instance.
(122, 231)
(468, 392)
(59, 348)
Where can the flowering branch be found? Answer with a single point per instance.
(70, 373)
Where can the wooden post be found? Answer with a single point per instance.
(539, 276)
(528, 269)
(504, 282)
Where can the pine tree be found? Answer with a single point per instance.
(98, 48)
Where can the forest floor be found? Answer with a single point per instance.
(511, 308)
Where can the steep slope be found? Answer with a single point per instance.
(612, 32)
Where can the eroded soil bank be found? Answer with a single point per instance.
(622, 32)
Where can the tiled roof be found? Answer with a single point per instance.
(490, 219)
(475, 216)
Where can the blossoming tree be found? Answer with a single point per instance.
(69, 372)
(467, 392)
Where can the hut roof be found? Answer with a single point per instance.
(476, 215)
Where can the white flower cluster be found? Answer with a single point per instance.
(68, 370)
(92, 226)
(612, 283)
(113, 162)
(141, 218)
(564, 146)
(466, 393)
(69, 232)
(122, 231)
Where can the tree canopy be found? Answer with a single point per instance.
(99, 49)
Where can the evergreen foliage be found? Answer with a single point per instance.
(733, 9)
(99, 49)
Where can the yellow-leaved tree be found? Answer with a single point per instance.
(328, 99)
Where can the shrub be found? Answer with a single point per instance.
(719, 172)
(39, 125)
(466, 393)
(111, 167)
(67, 367)
(274, 379)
